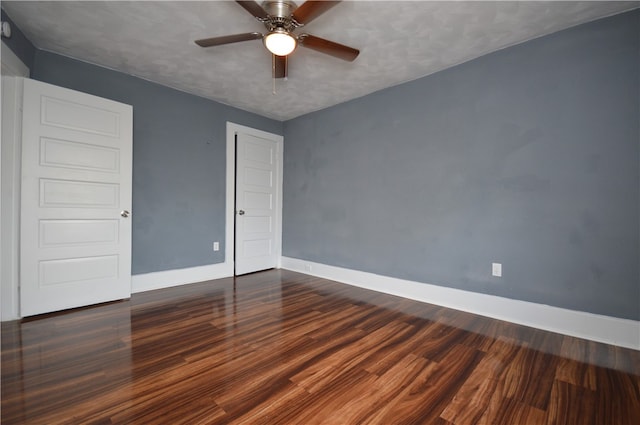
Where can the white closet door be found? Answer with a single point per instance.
(257, 202)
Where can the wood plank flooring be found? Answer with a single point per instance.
(279, 347)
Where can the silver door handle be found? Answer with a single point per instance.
(125, 213)
(241, 212)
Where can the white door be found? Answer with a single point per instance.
(258, 187)
(75, 235)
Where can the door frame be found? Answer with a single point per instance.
(12, 70)
(230, 209)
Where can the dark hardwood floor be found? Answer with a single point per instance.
(279, 347)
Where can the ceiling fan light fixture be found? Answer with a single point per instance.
(280, 42)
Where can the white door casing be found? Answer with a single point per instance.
(258, 200)
(12, 69)
(76, 180)
(11, 63)
(10, 191)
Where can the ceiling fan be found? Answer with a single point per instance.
(281, 18)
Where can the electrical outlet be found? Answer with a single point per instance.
(307, 267)
(496, 269)
(216, 246)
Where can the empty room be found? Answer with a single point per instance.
(320, 212)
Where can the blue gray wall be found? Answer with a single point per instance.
(528, 156)
(18, 43)
(179, 161)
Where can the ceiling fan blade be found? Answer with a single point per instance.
(328, 47)
(311, 9)
(254, 8)
(227, 39)
(280, 65)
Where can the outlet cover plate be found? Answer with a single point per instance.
(496, 269)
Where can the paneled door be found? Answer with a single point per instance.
(258, 186)
(75, 230)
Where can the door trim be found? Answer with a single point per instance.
(232, 130)
(11, 63)
(12, 69)
(10, 159)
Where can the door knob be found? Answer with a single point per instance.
(241, 212)
(124, 213)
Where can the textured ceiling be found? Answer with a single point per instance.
(399, 41)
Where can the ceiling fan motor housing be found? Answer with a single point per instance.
(279, 16)
(279, 9)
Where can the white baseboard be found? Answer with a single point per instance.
(166, 279)
(595, 327)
